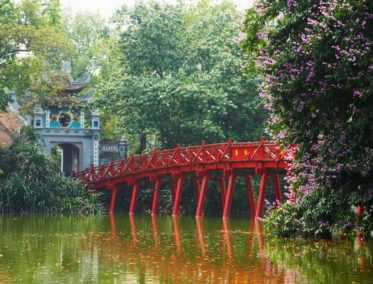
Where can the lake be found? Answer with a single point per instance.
(142, 249)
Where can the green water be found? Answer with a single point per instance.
(142, 249)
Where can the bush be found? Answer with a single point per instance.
(316, 61)
(283, 221)
(322, 213)
(30, 182)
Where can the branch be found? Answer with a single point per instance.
(22, 50)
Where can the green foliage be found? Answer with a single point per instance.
(177, 72)
(283, 221)
(151, 40)
(87, 33)
(30, 182)
(366, 223)
(316, 59)
(31, 42)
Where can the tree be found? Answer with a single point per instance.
(316, 57)
(179, 75)
(27, 42)
(86, 31)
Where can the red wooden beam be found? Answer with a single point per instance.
(263, 184)
(113, 200)
(157, 185)
(177, 199)
(135, 189)
(228, 198)
(202, 195)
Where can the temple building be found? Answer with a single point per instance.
(70, 126)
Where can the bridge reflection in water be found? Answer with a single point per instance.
(221, 256)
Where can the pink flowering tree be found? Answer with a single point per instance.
(316, 58)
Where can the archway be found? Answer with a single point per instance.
(69, 158)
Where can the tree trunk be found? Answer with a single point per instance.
(142, 139)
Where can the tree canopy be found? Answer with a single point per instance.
(316, 58)
(31, 41)
(179, 75)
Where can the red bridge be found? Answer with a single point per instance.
(226, 160)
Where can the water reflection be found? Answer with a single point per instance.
(146, 249)
(208, 260)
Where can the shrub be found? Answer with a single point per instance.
(30, 182)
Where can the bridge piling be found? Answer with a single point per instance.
(177, 198)
(155, 200)
(263, 184)
(202, 195)
(113, 199)
(135, 189)
(228, 198)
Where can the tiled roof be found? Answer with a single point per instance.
(9, 124)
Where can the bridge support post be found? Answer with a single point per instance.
(202, 195)
(250, 196)
(177, 199)
(157, 185)
(223, 191)
(263, 184)
(228, 198)
(359, 209)
(113, 199)
(276, 185)
(135, 189)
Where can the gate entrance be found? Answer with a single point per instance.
(69, 158)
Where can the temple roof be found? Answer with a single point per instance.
(78, 86)
(66, 85)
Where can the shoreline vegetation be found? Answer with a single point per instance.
(315, 58)
(30, 182)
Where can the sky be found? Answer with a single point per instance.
(107, 7)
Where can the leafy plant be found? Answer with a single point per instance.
(30, 182)
(316, 60)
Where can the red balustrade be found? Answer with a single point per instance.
(265, 158)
